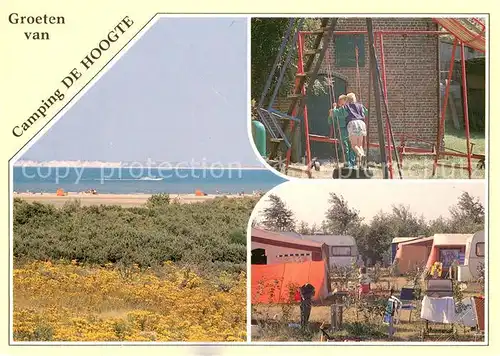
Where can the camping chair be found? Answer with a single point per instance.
(407, 297)
(478, 307)
(439, 288)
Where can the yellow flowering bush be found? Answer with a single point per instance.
(73, 302)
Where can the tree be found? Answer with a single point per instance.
(267, 37)
(340, 218)
(378, 237)
(407, 223)
(303, 228)
(314, 229)
(468, 207)
(439, 226)
(278, 217)
(467, 216)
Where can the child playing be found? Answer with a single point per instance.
(364, 281)
(338, 122)
(354, 114)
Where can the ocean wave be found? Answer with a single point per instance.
(122, 179)
(151, 178)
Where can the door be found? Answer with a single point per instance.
(317, 113)
(259, 256)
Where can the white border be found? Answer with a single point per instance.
(348, 15)
(288, 180)
(372, 185)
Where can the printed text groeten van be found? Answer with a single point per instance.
(76, 73)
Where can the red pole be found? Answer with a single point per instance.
(443, 108)
(384, 82)
(466, 109)
(385, 32)
(367, 138)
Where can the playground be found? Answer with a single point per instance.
(420, 80)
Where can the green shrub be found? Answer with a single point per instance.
(209, 234)
(157, 200)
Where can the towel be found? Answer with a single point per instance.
(438, 310)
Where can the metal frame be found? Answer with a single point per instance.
(436, 151)
(402, 149)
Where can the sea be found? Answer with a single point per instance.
(125, 180)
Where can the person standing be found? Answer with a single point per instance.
(337, 120)
(307, 292)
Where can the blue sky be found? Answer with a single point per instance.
(179, 94)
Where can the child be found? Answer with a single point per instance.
(354, 114)
(339, 123)
(364, 281)
(355, 120)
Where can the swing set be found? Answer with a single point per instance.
(281, 126)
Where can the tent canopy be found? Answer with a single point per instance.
(278, 283)
(451, 239)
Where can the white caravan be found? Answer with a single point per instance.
(474, 258)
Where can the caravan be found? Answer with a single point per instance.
(342, 249)
(474, 258)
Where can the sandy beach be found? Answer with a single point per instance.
(125, 200)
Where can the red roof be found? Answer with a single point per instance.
(260, 235)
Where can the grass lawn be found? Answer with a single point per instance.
(354, 327)
(277, 323)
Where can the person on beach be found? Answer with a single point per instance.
(338, 125)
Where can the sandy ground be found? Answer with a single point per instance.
(412, 169)
(111, 199)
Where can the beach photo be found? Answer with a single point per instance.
(359, 98)
(129, 214)
(371, 261)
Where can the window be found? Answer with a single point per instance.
(341, 251)
(480, 249)
(345, 50)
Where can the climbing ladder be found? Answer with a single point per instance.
(270, 118)
(306, 75)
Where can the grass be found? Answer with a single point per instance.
(354, 328)
(276, 323)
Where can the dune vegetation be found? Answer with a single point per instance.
(162, 272)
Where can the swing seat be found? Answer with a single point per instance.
(352, 173)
